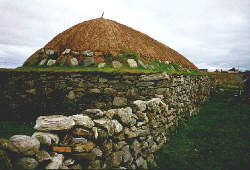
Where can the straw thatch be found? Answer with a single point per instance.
(112, 37)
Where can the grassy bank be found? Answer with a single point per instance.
(218, 138)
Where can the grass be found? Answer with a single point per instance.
(217, 139)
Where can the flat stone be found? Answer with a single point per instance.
(74, 62)
(27, 163)
(25, 144)
(116, 64)
(156, 76)
(120, 101)
(132, 63)
(46, 138)
(84, 156)
(94, 91)
(88, 61)
(54, 123)
(42, 156)
(81, 132)
(84, 121)
(69, 162)
(75, 53)
(94, 112)
(144, 84)
(51, 62)
(87, 147)
(57, 161)
(79, 140)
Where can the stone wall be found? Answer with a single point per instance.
(110, 120)
(26, 95)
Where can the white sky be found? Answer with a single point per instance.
(210, 33)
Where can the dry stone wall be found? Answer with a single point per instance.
(116, 120)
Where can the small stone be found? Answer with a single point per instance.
(84, 121)
(95, 164)
(71, 95)
(126, 116)
(75, 53)
(135, 147)
(94, 112)
(141, 163)
(79, 140)
(132, 63)
(27, 163)
(26, 144)
(53, 123)
(101, 65)
(69, 162)
(95, 131)
(77, 166)
(46, 138)
(89, 146)
(57, 161)
(94, 91)
(127, 157)
(66, 51)
(97, 152)
(43, 156)
(119, 145)
(88, 53)
(49, 52)
(74, 62)
(117, 126)
(110, 113)
(130, 134)
(42, 62)
(81, 132)
(119, 101)
(51, 62)
(88, 61)
(116, 64)
(110, 91)
(116, 158)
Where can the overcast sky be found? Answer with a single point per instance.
(210, 33)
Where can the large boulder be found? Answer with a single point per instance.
(46, 138)
(53, 123)
(25, 144)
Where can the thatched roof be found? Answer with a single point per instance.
(112, 37)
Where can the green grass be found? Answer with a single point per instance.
(217, 139)
(10, 128)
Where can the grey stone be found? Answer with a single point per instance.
(156, 76)
(116, 158)
(27, 163)
(51, 62)
(49, 52)
(110, 113)
(66, 51)
(46, 138)
(101, 65)
(118, 146)
(71, 95)
(84, 121)
(94, 112)
(135, 147)
(145, 84)
(117, 126)
(88, 61)
(74, 62)
(25, 144)
(95, 91)
(79, 140)
(53, 123)
(75, 53)
(127, 157)
(156, 105)
(42, 156)
(141, 105)
(119, 101)
(57, 161)
(132, 63)
(95, 131)
(42, 62)
(69, 162)
(132, 92)
(130, 134)
(141, 163)
(97, 152)
(116, 64)
(126, 116)
(88, 53)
